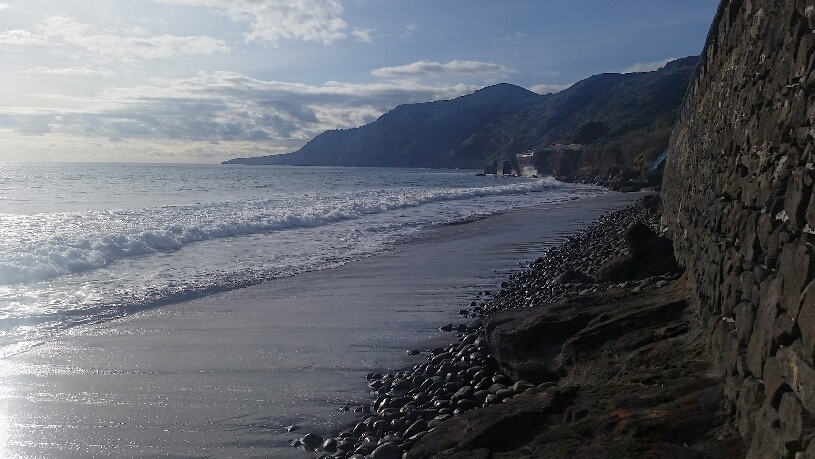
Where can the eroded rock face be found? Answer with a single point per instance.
(738, 197)
(543, 344)
(636, 382)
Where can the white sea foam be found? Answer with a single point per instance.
(43, 246)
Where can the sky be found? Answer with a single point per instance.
(202, 81)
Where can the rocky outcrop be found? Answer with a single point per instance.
(634, 381)
(738, 197)
(543, 347)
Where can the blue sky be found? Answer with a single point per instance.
(206, 80)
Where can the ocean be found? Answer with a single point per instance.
(85, 243)
(200, 310)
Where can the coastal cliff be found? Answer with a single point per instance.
(738, 202)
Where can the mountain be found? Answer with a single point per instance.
(628, 114)
(413, 135)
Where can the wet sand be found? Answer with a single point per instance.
(224, 375)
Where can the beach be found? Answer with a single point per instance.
(225, 375)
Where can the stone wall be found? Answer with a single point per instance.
(739, 206)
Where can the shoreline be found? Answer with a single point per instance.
(238, 375)
(463, 375)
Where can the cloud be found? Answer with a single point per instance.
(120, 43)
(426, 68)
(221, 107)
(548, 88)
(362, 35)
(4, 6)
(512, 38)
(409, 30)
(272, 21)
(648, 67)
(80, 71)
(19, 37)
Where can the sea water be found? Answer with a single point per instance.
(87, 243)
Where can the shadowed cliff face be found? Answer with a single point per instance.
(738, 197)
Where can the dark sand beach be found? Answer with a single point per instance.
(223, 376)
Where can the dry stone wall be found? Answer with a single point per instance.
(740, 208)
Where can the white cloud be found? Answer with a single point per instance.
(224, 107)
(19, 37)
(648, 67)
(273, 21)
(362, 35)
(120, 43)
(548, 88)
(409, 30)
(512, 38)
(4, 6)
(80, 71)
(426, 68)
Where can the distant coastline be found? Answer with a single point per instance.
(499, 122)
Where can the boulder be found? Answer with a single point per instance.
(650, 256)
(638, 238)
(311, 440)
(620, 269)
(387, 451)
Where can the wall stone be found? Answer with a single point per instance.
(738, 195)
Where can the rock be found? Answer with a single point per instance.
(503, 394)
(573, 277)
(311, 440)
(438, 420)
(365, 448)
(538, 345)
(807, 319)
(501, 378)
(639, 238)
(415, 428)
(797, 269)
(465, 392)
(791, 417)
(387, 451)
(655, 256)
(465, 404)
(620, 269)
(413, 352)
(441, 357)
(329, 445)
(522, 386)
